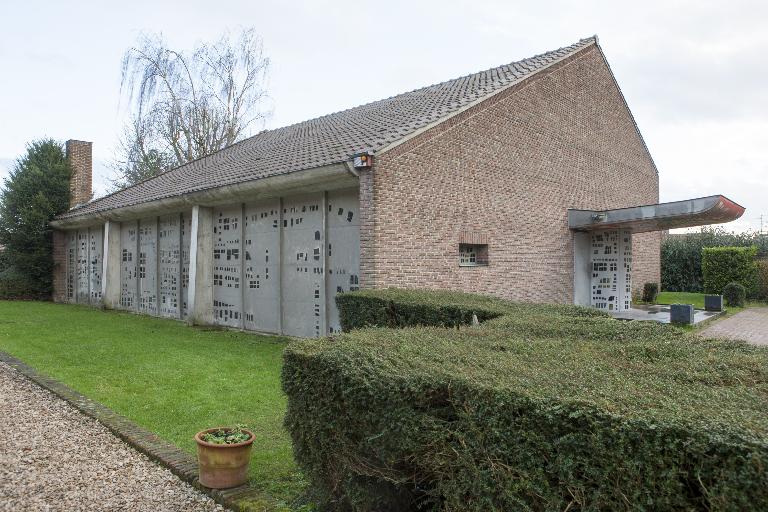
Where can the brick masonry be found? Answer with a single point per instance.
(508, 169)
(80, 158)
(59, 266)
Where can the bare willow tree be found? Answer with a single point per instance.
(184, 106)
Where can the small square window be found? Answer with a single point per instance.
(473, 255)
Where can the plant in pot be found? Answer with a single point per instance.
(223, 454)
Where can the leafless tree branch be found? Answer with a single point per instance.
(184, 106)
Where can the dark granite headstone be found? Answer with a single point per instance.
(713, 302)
(681, 314)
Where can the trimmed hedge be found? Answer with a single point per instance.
(539, 408)
(393, 307)
(762, 280)
(681, 255)
(723, 265)
(650, 292)
(478, 420)
(734, 294)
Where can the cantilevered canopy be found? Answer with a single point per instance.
(656, 217)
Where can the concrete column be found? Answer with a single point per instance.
(582, 268)
(200, 299)
(280, 266)
(324, 259)
(110, 266)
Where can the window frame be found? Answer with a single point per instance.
(476, 255)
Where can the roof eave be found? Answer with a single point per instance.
(329, 177)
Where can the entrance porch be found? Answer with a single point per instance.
(602, 246)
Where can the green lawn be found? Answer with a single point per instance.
(697, 299)
(169, 378)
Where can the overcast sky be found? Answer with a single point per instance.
(694, 73)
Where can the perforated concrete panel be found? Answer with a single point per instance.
(147, 270)
(261, 249)
(95, 261)
(303, 266)
(128, 260)
(227, 252)
(611, 259)
(186, 230)
(82, 294)
(342, 250)
(277, 264)
(169, 261)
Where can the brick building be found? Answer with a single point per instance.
(529, 181)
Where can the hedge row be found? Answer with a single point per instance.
(681, 255)
(724, 265)
(762, 279)
(478, 420)
(539, 408)
(397, 308)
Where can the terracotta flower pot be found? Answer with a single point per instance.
(223, 465)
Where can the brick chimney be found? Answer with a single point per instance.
(80, 158)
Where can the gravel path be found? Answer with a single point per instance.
(52, 457)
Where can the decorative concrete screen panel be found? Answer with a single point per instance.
(186, 237)
(147, 271)
(611, 260)
(128, 260)
(261, 248)
(169, 261)
(72, 266)
(82, 294)
(342, 250)
(303, 266)
(227, 266)
(277, 264)
(95, 260)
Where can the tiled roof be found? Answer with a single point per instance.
(329, 139)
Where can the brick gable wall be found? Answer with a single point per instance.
(508, 169)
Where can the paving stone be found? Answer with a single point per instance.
(750, 325)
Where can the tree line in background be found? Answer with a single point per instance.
(36, 190)
(681, 260)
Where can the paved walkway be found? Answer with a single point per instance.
(749, 325)
(54, 458)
